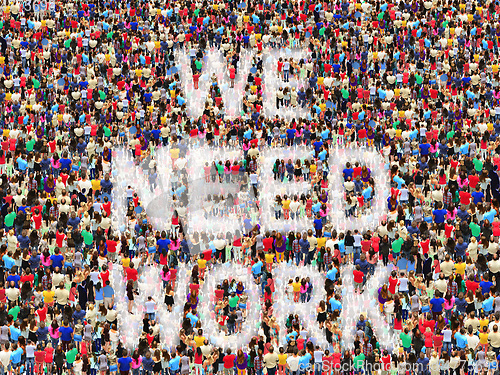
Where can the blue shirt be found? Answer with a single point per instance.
(304, 361)
(485, 286)
(15, 356)
(14, 278)
(193, 318)
(57, 260)
(437, 304)
(461, 340)
(163, 244)
(65, 333)
(424, 148)
(174, 363)
(332, 274)
(336, 305)
(8, 262)
(108, 291)
(488, 304)
(478, 196)
(124, 363)
(14, 333)
(290, 133)
(257, 268)
(439, 216)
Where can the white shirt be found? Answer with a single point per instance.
(293, 363)
(5, 357)
(150, 307)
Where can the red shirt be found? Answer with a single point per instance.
(425, 246)
(268, 243)
(428, 339)
(42, 313)
(229, 361)
(60, 237)
(496, 228)
(393, 282)
(471, 285)
(107, 208)
(465, 198)
(219, 294)
(104, 276)
(358, 276)
(37, 219)
(438, 340)
(194, 288)
(132, 274)
(27, 279)
(473, 181)
(111, 246)
(39, 356)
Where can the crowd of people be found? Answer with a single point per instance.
(417, 81)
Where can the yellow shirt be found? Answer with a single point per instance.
(312, 168)
(296, 287)
(96, 185)
(484, 323)
(282, 359)
(48, 296)
(460, 268)
(269, 258)
(483, 338)
(321, 242)
(125, 262)
(494, 68)
(199, 340)
(174, 153)
(286, 204)
(202, 263)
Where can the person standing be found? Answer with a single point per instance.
(124, 363)
(271, 361)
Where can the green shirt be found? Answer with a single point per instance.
(478, 165)
(220, 168)
(9, 219)
(359, 361)
(396, 245)
(88, 238)
(71, 355)
(14, 311)
(406, 339)
(30, 145)
(233, 301)
(475, 229)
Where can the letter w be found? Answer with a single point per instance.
(214, 64)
